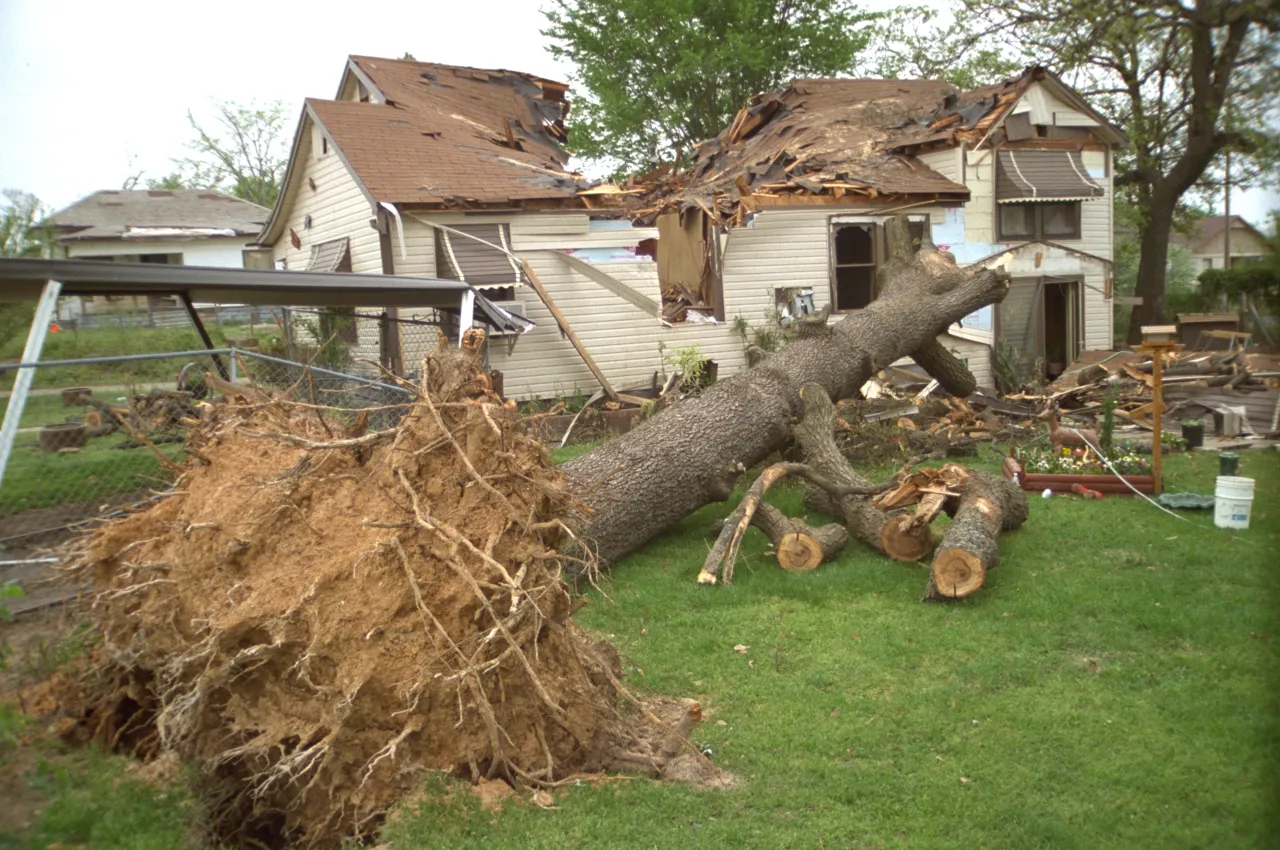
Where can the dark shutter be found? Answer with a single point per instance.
(1029, 175)
(481, 264)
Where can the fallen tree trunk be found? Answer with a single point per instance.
(692, 453)
(988, 506)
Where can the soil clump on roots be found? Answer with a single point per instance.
(320, 613)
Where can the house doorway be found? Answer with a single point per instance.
(1041, 322)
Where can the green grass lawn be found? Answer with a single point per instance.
(87, 798)
(99, 470)
(1113, 686)
(117, 341)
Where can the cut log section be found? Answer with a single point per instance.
(798, 546)
(988, 506)
(868, 522)
(807, 541)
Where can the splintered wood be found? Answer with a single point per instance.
(906, 537)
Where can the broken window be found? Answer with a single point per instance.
(477, 254)
(853, 265)
(688, 254)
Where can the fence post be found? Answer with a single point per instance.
(22, 383)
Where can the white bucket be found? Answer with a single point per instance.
(1232, 502)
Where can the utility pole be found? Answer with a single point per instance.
(1226, 206)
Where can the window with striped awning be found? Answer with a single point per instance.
(1031, 175)
(483, 264)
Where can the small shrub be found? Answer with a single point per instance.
(691, 363)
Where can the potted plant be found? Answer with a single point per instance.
(1193, 432)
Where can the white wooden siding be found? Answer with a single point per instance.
(337, 208)
(945, 162)
(213, 251)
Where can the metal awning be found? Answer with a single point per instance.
(330, 256)
(23, 280)
(1043, 176)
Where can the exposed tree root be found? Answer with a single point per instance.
(318, 615)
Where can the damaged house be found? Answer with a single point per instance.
(1016, 174)
(434, 170)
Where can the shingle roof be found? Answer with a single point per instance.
(816, 136)
(844, 137)
(449, 134)
(1211, 227)
(111, 213)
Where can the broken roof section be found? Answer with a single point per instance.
(844, 141)
(157, 214)
(449, 136)
(814, 137)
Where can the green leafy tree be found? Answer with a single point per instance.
(921, 42)
(658, 76)
(1187, 80)
(22, 229)
(244, 155)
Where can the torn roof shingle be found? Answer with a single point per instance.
(817, 136)
(842, 138)
(451, 135)
(113, 213)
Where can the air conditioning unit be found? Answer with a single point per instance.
(516, 307)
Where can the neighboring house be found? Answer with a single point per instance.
(187, 227)
(413, 162)
(1208, 243)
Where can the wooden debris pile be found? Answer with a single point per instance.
(1194, 382)
(894, 518)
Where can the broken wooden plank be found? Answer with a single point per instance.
(609, 282)
(545, 296)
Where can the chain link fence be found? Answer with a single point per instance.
(104, 422)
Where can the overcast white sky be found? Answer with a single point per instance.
(92, 91)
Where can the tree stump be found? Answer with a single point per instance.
(54, 438)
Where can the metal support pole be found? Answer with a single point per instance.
(22, 383)
(204, 335)
(1157, 411)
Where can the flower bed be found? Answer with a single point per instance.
(1057, 470)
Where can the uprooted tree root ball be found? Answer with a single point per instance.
(319, 614)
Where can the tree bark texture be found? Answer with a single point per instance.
(988, 506)
(799, 546)
(690, 454)
(815, 432)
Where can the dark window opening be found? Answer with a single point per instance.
(854, 266)
(324, 145)
(161, 259)
(1056, 220)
